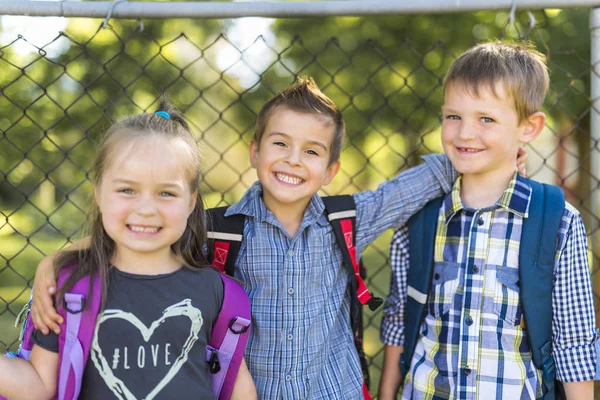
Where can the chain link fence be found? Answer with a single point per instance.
(57, 98)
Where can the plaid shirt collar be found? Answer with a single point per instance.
(515, 198)
(252, 205)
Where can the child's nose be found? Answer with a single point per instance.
(293, 157)
(466, 131)
(146, 205)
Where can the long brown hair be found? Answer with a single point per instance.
(189, 249)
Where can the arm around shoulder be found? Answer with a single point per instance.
(43, 314)
(29, 380)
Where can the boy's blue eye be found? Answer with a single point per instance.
(126, 191)
(167, 194)
(279, 144)
(312, 152)
(487, 120)
(453, 117)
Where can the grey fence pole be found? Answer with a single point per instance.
(271, 9)
(595, 141)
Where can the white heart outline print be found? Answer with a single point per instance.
(120, 390)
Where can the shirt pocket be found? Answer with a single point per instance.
(507, 295)
(444, 285)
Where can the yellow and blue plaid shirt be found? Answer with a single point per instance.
(472, 344)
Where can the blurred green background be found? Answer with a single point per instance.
(59, 92)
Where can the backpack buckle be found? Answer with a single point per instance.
(374, 303)
(244, 323)
(70, 298)
(214, 365)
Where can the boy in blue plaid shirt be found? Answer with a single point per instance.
(301, 345)
(472, 343)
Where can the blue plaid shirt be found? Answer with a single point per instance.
(301, 345)
(472, 329)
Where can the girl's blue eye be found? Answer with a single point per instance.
(453, 117)
(487, 120)
(279, 144)
(312, 152)
(126, 191)
(167, 194)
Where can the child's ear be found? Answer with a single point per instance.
(534, 125)
(253, 154)
(332, 171)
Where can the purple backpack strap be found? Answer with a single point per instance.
(80, 312)
(229, 338)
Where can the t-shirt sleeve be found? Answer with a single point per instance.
(48, 342)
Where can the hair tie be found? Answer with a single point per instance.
(163, 114)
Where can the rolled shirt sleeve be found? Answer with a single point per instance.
(392, 327)
(574, 331)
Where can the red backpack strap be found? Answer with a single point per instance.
(79, 310)
(341, 213)
(229, 337)
(225, 236)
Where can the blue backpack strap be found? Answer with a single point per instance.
(421, 235)
(536, 273)
(225, 236)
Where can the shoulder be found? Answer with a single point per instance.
(571, 226)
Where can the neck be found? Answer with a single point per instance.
(290, 216)
(481, 191)
(145, 264)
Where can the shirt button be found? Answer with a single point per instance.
(467, 371)
(436, 276)
(469, 321)
(290, 336)
(480, 221)
(288, 378)
(475, 269)
(291, 291)
(290, 253)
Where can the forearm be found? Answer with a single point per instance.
(396, 200)
(579, 390)
(244, 388)
(20, 381)
(391, 376)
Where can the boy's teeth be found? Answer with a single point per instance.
(289, 179)
(143, 229)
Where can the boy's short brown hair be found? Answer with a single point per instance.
(519, 67)
(304, 96)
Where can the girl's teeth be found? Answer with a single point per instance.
(289, 179)
(143, 229)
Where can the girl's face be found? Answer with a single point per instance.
(145, 200)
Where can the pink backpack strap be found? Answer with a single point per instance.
(229, 337)
(80, 312)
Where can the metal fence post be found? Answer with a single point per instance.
(595, 140)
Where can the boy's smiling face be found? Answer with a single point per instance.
(292, 159)
(481, 134)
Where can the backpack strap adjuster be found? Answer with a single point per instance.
(214, 365)
(239, 325)
(374, 303)
(75, 300)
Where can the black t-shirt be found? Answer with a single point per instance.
(150, 340)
